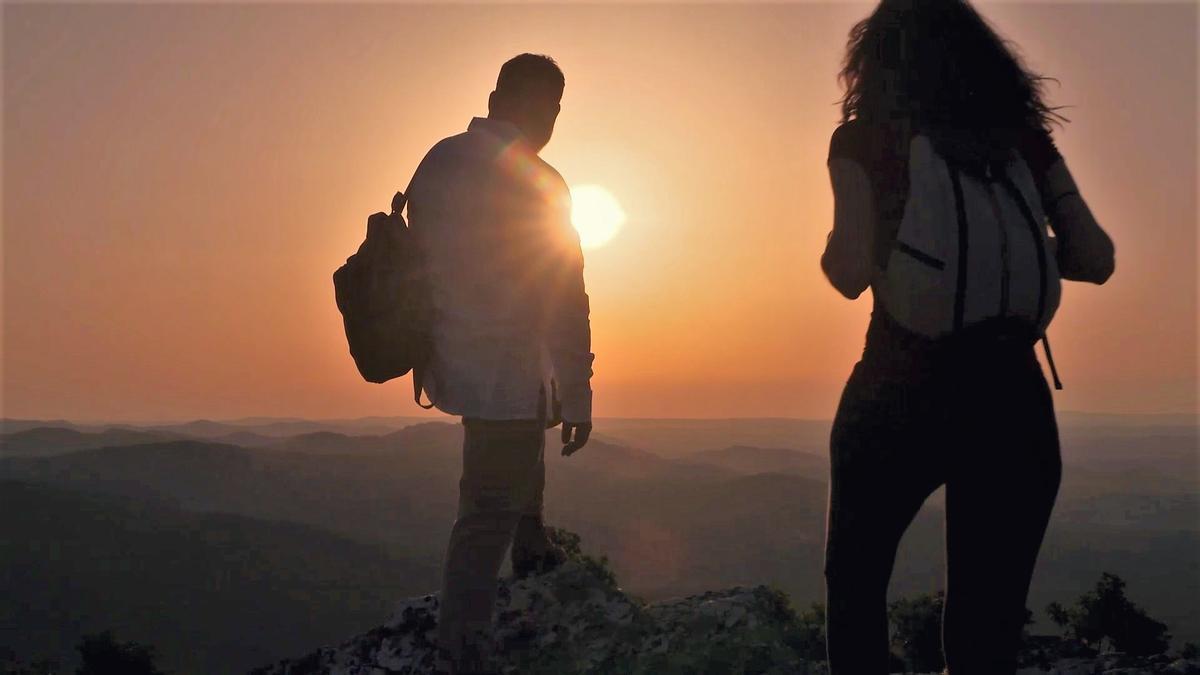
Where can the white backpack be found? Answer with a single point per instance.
(971, 246)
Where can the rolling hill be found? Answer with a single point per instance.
(212, 592)
(678, 522)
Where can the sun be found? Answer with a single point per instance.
(596, 215)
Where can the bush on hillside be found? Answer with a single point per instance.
(103, 655)
(1104, 616)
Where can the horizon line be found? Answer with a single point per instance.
(252, 420)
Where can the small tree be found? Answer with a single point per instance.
(569, 542)
(1060, 616)
(807, 636)
(103, 655)
(917, 631)
(1106, 614)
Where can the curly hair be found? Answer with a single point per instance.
(939, 61)
(530, 71)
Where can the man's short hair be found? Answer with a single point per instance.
(529, 73)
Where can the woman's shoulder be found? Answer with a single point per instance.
(853, 139)
(1037, 147)
(868, 141)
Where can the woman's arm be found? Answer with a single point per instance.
(1085, 251)
(847, 258)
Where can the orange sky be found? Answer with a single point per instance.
(181, 181)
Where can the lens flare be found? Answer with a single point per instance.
(596, 215)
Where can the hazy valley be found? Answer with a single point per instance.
(261, 538)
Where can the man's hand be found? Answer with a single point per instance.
(575, 436)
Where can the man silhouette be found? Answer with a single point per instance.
(511, 335)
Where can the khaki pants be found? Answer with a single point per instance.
(500, 503)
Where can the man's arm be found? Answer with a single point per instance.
(567, 327)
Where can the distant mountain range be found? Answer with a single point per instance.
(743, 503)
(214, 593)
(275, 427)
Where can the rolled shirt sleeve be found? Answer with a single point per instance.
(567, 325)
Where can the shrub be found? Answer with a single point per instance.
(103, 655)
(917, 631)
(1105, 614)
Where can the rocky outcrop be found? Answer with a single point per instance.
(1116, 664)
(576, 620)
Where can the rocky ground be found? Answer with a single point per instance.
(576, 620)
(1114, 664)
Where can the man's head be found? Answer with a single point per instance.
(528, 92)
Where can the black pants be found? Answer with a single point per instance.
(981, 422)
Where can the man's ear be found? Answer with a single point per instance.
(492, 103)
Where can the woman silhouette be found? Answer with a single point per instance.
(944, 175)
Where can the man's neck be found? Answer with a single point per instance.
(505, 120)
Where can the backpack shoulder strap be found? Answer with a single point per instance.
(1039, 235)
(418, 372)
(890, 184)
(1039, 240)
(418, 378)
(960, 214)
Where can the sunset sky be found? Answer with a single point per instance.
(180, 182)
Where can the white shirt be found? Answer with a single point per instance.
(510, 313)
